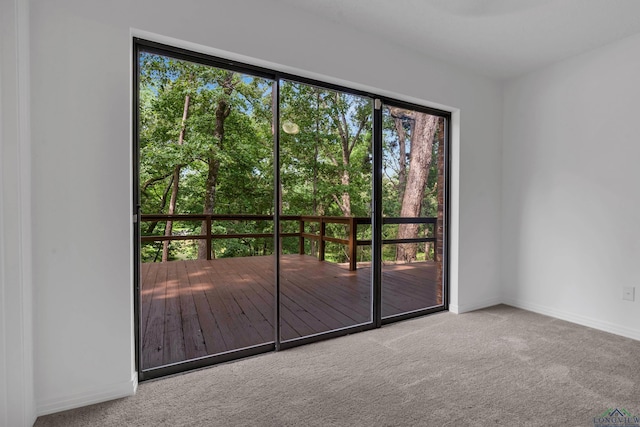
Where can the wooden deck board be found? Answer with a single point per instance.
(346, 294)
(148, 282)
(193, 338)
(191, 309)
(153, 339)
(293, 312)
(173, 347)
(313, 301)
(211, 334)
(262, 273)
(218, 298)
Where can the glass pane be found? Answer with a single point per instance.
(413, 203)
(206, 169)
(325, 167)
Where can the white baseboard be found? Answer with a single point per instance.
(464, 308)
(88, 397)
(125, 389)
(575, 318)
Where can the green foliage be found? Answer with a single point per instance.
(334, 141)
(314, 160)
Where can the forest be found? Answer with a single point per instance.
(206, 141)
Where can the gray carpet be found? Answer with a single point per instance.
(497, 366)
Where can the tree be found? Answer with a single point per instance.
(207, 147)
(238, 142)
(326, 163)
(332, 147)
(222, 111)
(175, 181)
(226, 164)
(349, 118)
(423, 130)
(399, 123)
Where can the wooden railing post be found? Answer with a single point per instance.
(208, 236)
(323, 229)
(301, 230)
(353, 244)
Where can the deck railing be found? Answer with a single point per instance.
(352, 242)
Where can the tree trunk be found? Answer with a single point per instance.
(345, 206)
(168, 230)
(163, 202)
(423, 131)
(402, 155)
(314, 229)
(209, 200)
(348, 142)
(176, 180)
(344, 201)
(439, 230)
(222, 112)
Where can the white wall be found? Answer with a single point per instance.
(17, 406)
(81, 65)
(571, 189)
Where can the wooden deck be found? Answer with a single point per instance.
(191, 309)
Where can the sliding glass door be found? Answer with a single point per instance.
(206, 196)
(273, 210)
(325, 208)
(413, 196)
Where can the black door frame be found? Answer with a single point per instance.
(141, 45)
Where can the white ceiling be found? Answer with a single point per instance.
(498, 38)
